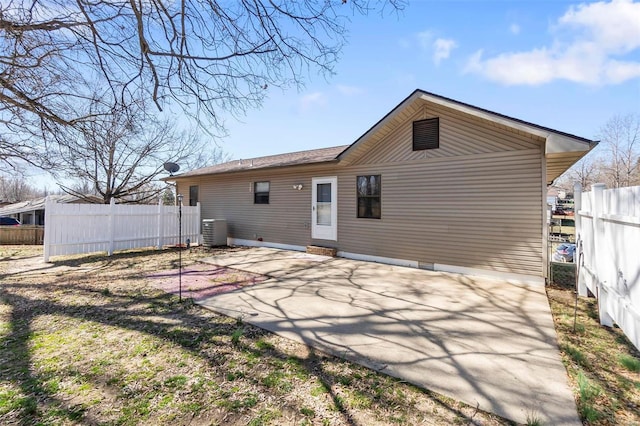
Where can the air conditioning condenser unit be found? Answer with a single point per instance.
(214, 232)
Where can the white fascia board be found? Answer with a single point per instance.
(556, 142)
(486, 115)
(390, 116)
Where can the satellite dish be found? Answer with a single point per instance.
(171, 167)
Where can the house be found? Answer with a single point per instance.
(31, 212)
(428, 186)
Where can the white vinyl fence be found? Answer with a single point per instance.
(88, 228)
(608, 225)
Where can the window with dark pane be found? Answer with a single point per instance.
(261, 192)
(369, 205)
(426, 134)
(193, 195)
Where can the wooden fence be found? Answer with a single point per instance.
(88, 228)
(608, 228)
(25, 234)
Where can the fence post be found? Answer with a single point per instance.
(199, 223)
(112, 228)
(601, 254)
(577, 207)
(48, 205)
(160, 224)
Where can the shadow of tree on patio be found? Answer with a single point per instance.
(89, 341)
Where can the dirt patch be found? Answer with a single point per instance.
(201, 280)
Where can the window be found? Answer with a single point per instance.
(426, 134)
(193, 195)
(261, 193)
(369, 205)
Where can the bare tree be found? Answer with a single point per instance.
(15, 188)
(204, 55)
(621, 142)
(587, 171)
(616, 161)
(120, 155)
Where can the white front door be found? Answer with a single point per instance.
(324, 208)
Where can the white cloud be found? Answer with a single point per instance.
(425, 39)
(597, 33)
(349, 90)
(439, 48)
(514, 28)
(442, 49)
(312, 100)
(618, 72)
(615, 26)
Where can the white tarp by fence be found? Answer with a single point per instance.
(89, 228)
(608, 224)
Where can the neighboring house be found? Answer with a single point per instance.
(32, 212)
(435, 184)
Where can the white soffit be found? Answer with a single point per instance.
(559, 143)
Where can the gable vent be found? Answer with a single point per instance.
(426, 134)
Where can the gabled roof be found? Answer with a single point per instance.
(557, 141)
(281, 160)
(562, 149)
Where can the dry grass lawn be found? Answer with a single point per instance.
(603, 366)
(90, 340)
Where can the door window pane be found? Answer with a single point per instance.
(324, 192)
(323, 204)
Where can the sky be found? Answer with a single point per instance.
(561, 64)
(565, 65)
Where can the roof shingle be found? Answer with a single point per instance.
(289, 159)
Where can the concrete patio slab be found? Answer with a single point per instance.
(477, 340)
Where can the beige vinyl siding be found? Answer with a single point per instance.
(460, 134)
(475, 202)
(394, 123)
(285, 220)
(477, 211)
(481, 211)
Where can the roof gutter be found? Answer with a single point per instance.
(250, 169)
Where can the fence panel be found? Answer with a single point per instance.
(88, 228)
(608, 227)
(25, 234)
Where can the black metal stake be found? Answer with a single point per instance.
(578, 265)
(180, 247)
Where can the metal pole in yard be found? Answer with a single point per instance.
(180, 247)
